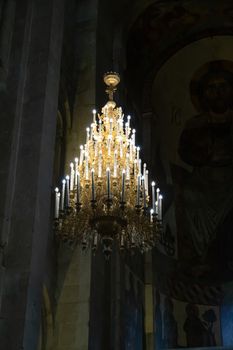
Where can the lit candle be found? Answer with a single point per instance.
(133, 137)
(135, 169)
(88, 135)
(147, 181)
(127, 130)
(140, 166)
(81, 155)
(92, 184)
(123, 186)
(144, 192)
(63, 194)
(156, 207)
(94, 115)
(160, 207)
(57, 202)
(71, 176)
(78, 187)
(76, 170)
(128, 118)
(138, 150)
(108, 182)
(157, 194)
(151, 215)
(138, 190)
(67, 191)
(131, 150)
(100, 128)
(153, 195)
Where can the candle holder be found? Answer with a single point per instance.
(104, 185)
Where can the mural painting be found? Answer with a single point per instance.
(179, 324)
(133, 313)
(206, 144)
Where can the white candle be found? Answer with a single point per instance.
(133, 137)
(157, 194)
(88, 135)
(121, 144)
(156, 207)
(109, 144)
(147, 182)
(76, 170)
(108, 182)
(153, 195)
(63, 194)
(100, 128)
(94, 115)
(92, 184)
(151, 215)
(138, 189)
(71, 176)
(138, 150)
(123, 186)
(144, 192)
(67, 191)
(78, 187)
(57, 202)
(160, 207)
(81, 155)
(128, 118)
(140, 166)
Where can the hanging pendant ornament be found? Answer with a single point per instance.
(107, 198)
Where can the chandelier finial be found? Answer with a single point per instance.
(111, 79)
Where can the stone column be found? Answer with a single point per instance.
(28, 132)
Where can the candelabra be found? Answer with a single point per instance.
(105, 198)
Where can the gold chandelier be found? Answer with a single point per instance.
(106, 196)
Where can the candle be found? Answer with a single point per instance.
(128, 118)
(108, 182)
(138, 150)
(67, 191)
(144, 192)
(123, 186)
(109, 144)
(78, 187)
(133, 137)
(76, 170)
(92, 184)
(151, 215)
(94, 115)
(88, 135)
(160, 207)
(157, 194)
(138, 190)
(156, 207)
(71, 176)
(57, 202)
(81, 155)
(147, 181)
(140, 166)
(121, 151)
(153, 195)
(63, 194)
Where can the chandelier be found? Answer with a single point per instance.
(106, 197)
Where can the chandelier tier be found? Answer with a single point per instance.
(106, 196)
